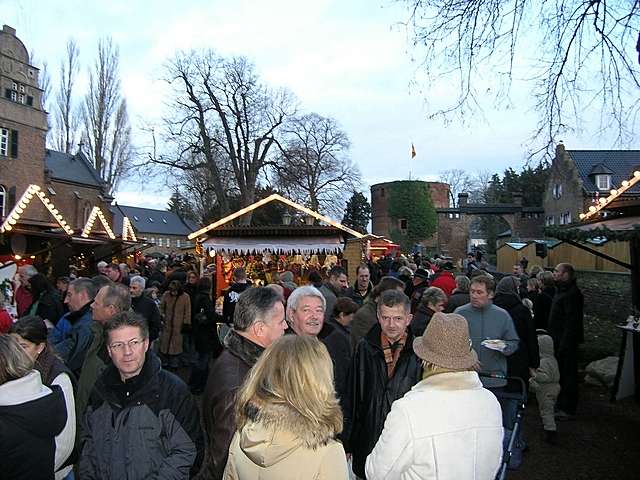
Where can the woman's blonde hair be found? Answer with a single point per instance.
(296, 372)
(14, 361)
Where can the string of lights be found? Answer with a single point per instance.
(613, 194)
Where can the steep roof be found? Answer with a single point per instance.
(72, 168)
(150, 221)
(622, 164)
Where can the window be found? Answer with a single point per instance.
(21, 88)
(403, 224)
(30, 73)
(21, 98)
(14, 86)
(14, 96)
(152, 240)
(159, 241)
(3, 201)
(557, 190)
(168, 240)
(30, 100)
(151, 219)
(565, 218)
(135, 218)
(4, 141)
(177, 243)
(51, 190)
(603, 182)
(551, 220)
(382, 192)
(164, 220)
(86, 212)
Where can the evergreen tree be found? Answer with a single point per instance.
(179, 205)
(357, 213)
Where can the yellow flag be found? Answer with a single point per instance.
(413, 151)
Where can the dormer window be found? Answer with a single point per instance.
(603, 182)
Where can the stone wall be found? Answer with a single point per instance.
(607, 295)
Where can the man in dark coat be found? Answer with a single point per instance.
(141, 420)
(567, 330)
(258, 321)
(361, 290)
(460, 295)
(238, 285)
(542, 302)
(144, 306)
(335, 286)
(384, 368)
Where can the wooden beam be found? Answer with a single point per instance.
(599, 254)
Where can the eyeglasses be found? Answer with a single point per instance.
(133, 344)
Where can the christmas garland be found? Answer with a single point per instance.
(579, 235)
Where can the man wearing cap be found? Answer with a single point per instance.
(448, 423)
(384, 368)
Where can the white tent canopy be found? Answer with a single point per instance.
(287, 244)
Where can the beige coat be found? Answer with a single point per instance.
(282, 445)
(176, 312)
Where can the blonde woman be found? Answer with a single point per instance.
(287, 416)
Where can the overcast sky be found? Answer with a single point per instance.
(350, 60)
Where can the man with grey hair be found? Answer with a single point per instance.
(305, 314)
(102, 267)
(144, 306)
(23, 296)
(72, 335)
(110, 300)
(258, 321)
(384, 368)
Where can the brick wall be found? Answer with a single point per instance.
(565, 174)
(72, 208)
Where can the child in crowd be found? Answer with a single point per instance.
(546, 385)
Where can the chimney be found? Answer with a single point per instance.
(559, 150)
(9, 30)
(517, 198)
(463, 199)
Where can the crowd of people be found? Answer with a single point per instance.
(403, 373)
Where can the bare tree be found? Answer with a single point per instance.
(459, 181)
(66, 118)
(314, 167)
(222, 111)
(480, 188)
(582, 51)
(106, 122)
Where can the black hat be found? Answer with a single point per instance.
(421, 273)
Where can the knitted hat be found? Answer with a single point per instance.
(446, 342)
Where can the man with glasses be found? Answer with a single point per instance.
(141, 421)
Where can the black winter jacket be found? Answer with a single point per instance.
(372, 393)
(204, 319)
(28, 430)
(145, 427)
(527, 355)
(566, 319)
(338, 343)
(542, 307)
(457, 299)
(146, 307)
(230, 300)
(420, 320)
(226, 376)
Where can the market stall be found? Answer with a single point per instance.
(306, 241)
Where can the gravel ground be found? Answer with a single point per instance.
(602, 442)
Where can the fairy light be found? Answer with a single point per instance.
(614, 193)
(127, 230)
(96, 212)
(281, 199)
(22, 204)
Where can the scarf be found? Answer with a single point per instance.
(392, 351)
